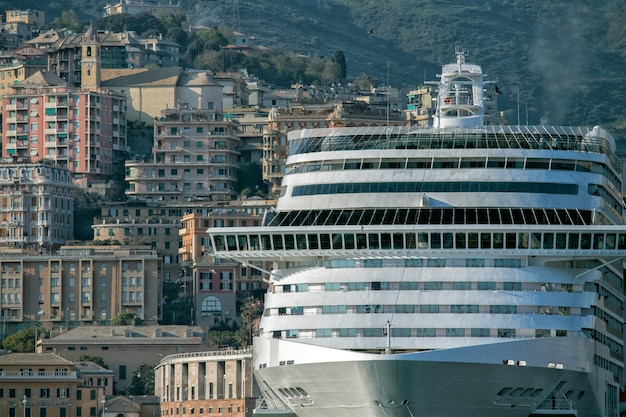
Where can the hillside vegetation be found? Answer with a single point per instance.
(558, 61)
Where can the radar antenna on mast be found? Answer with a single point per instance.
(236, 21)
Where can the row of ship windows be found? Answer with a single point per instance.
(433, 187)
(430, 285)
(416, 332)
(459, 163)
(421, 240)
(425, 309)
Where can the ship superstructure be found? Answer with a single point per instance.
(453, 270)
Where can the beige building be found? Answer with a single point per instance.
(30, 17)
(14, 72)
(212, 383)
(195, 158)
(36, 384)
(153, 7)
(124, 348)
(78, 285)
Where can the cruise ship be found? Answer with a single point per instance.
(459, 269)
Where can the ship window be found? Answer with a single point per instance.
(561, 333)
(495, 163)
(398, 241)
(506, 332)
(231, 242)
(536, 393)
(373, 241)
(480, 333)
(313, 241)
(455, 332)
(510, 240)
(428, 332)
(411, 243)
(516, 392)
(337, 243)
(610, 241)
(475, 263)
(561, 240)
(621, 242)
(385, 240)
(422, 240)
(472, 240)
(485, 286)
(243, 242)
(348, 241)
(400, 332)
(323, 333)
(542, 332)
(572, 241)
(448, 242)
(405, 308)
(347, 332)
(413, 263)
(324, 241)
(289, 242)
(254, 242)
(522, 241)
(278, 242)
(460, 240)
(266, 242)
(485, 240)
(512, 286)
(301, 242)
(435, 241)
(504, 391)
(332, 286)
(219, 243)
(548, 241)
(535, 240)
(361, 241)
(436, 263)
(375, 332)
(408, 286)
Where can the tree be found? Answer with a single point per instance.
(364, 81)
(86, 207)
(143, 380)
(24, 340)
(340, 59)
(95, 359)
(250, 311)
(126, 319)
(68, 20)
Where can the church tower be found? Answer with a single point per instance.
(90, 62)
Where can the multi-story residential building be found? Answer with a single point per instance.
(165, 52)
(14, 72)
(216, 283)
(37, 18)
(78, 285)
(124, 348)
(142, 6)
(36, 204)
(195, 158)
(79, 130)
(35, 384)
(206, 383)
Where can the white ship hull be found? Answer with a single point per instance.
(470, 381)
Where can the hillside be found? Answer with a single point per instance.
(559, 61)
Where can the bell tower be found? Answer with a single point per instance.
(90, 62)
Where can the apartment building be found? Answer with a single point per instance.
(29, 17)
(79, 130)
(195, 158)
(36, 204)
(124, 348)
(13, 72)
(153, 7)
(215, 283)
(78, 285)
(45, 384)
(206, 383)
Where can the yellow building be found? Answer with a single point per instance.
(219, 384)
(37, 18)
(46, 385)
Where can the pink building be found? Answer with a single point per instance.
(79, 130)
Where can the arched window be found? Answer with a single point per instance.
(89, 51)
(210, 305)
